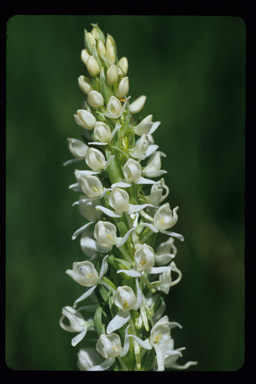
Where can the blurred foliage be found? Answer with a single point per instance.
(192, 70)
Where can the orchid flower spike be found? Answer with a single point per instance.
(126, 271)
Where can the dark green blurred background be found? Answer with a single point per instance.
(192, 70)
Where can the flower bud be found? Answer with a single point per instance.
(85, 119)
(84, 84)
(91, 186)
(123, 64)
(144, 126)
(105, 233)
(124, 298)
(101, 48)
(95, 99)
(102, 132)
(92, 66)
(85, 56)
(137, 105)
(119, 200)
(76, 320)
(97, 33)
(114, 106)
(165, 218)
(77, 148)
(95, 159)
(110, 55)
(109, 346)
(91, 39)
(88, 358)
(123, 87)
(112, 74)
(132, 170)
(144, 257)
(84, 273)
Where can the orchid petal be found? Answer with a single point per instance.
(155, 270)
(151, 149)
(85, 295)
(126, 343)
(130, 272)
(142, 180)
(133, 208)
(97, 143)
(104, 267)
(143, 343)
(154, 127)
(122, 240)
(103, 366)
(79, 337)
(151, 226)
(121, 184)
(118, 321)
(139, 296)
(81, 230)
(173, 234)
(107, 211)
(108, 161)
(75, 187)
(72, 161)
(117, 127)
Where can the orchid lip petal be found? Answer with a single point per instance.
(130, 272)
(108, 161)
(118, 321)
(151, 149)
(139, 296)
(107, 211)
(84, 295)
(78, 337)
(143, 343)
(126, 343)
(75, 187)
(155, 270)
(103, 366)
(71, 161)
(117, 127)
(122, 240)
(143, 180)
(81, 230)
(151, 226)
(173, 234)
(154, 127)
(97, 143)
(133, 208)
(121, 184)
(104, 267)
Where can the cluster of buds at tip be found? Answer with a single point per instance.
(123, 275)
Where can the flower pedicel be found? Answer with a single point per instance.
(124, 278)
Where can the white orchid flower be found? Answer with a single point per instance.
(102, 132)
(132, 173)
(95, 159)
(125, 300)
(87, 208)
(165, 281)
(153, 166)
(77, 323)
(156, 194)
(164, 218)
(114, 108)
(160, 339)
(142, 149)
(108, 347)
(144, 258)
(119, 201)
(165, 252)
(105, 237)
(85, 274)
(137, 105)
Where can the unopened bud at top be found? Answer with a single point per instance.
(95, 99)
(137, 105)
(84, 84)
(123, 88)
(92, 66)
(112, 74)
(110, 49)
(123, 64)
(91, 38)
(85, 56)
(97, 33)
(101, 48)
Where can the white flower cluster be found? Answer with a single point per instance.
(125, 278)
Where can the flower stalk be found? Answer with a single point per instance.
(123, 279)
